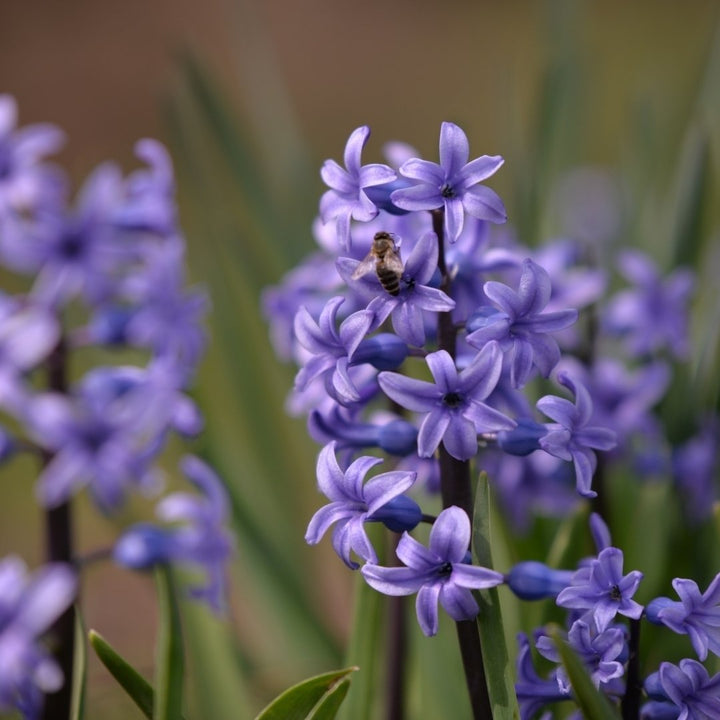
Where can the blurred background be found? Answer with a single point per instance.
(251, 97)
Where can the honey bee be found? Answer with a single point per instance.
(384, 259)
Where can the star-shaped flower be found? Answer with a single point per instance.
(452, 184)
(439, 572)
(453, 407)
(346, 198)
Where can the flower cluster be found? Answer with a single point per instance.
(422, 329)
(104, 271)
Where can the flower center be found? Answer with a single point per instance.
(447, 191)
(445, 569)
(452, 399)
(615, 593)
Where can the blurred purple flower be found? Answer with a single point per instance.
(453, 407)
(570, 438)
(652, 316)
(688, 686)
(196, 533)
(28, 607)
(346, 198)
(353, 503)
(453, 184)
(602, 590)
(696, 615)
(516, 320)
(439, 572)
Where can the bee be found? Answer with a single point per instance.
(384, 259)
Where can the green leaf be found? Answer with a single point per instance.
(593, 704)
(498, 668)
(169, 659)
(134, 684)
(316, 698)
(77, 702)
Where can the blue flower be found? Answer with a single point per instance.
(438, 573)
(195, 534)
(571, 438)
(346, 198)
(28, 607)
(353, 503)
(690, 689)
(517, 321)
(602, 590)
(453, 407)
(696, 615)
(405, 308)
(453, 184)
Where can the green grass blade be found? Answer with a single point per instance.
(169, 657)
(77, 701)
(134, 684)
(498, 668)
(329, 706)
(301, 701)
(593, 704)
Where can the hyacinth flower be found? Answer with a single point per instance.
(415, 295)
(347, 198)
(652, 316)
(355, 502)
(26, 183)
(602, 653)
(571, 438)
(453, 184)
(534, 692)
(696, 615)
(331, 349)
(453, 405)
(29, 605)
(684, 691)
(196, 534)
(439, 573)
(516, 320)
(602, 590)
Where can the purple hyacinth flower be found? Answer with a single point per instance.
(26, 183)
(453, 184)
(534, 692)
(696, 615)
(689, 687)
(653, 315)
(437, 573)
(516, 320)
(603, 590)
(602, 653)
(415, 295)
(196, 533)
(331, 349)
(570, 438)
(346, 198)
(28, 607)
(453, 407)
(353, 503)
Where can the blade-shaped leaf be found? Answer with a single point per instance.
(304, 700)
(134, 684)
(77, 702)
(593, 704)
(169, 657)
(498, 668)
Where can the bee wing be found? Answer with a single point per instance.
(367, 265)
(393, 262)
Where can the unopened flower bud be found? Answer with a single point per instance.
(534, 581)
(400, 514)
(398, 437)
(523, 439)
(384, 352)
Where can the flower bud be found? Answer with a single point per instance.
(534, 581)
(398, 437)
(654, 607)
(400, 514)
(142, 546)
(523, 439)
(384, 352)
(380, 195)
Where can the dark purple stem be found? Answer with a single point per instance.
(397, 653)
(59, 548)
(456, 489)
(633, 687)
